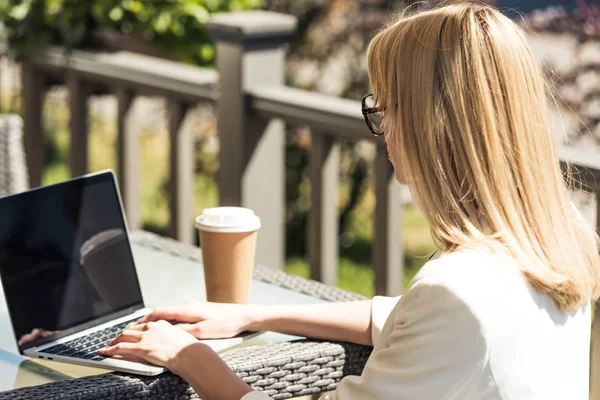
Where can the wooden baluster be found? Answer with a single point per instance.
(33, 135)
(181, 178)
(78, 153)
(128, 157)
(323, 228)
(388, 258)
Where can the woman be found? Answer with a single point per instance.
(503, 310)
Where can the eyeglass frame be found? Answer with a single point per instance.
(370, 110)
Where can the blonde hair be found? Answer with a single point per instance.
(467, 111)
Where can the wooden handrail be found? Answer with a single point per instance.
(145, 74)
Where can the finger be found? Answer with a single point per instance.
(28, 337)
(123, 349)
(137, 323)
(24, 339)
(131, 336)
(138, 327)
(176, 313)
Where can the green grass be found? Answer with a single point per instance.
(358, 277)
(354, 272)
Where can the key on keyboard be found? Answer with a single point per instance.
(87, 347)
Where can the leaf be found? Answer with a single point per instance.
(3, 7)
(99, 10)
(161, 24)
(178, 29)
(207, 52)
(53, 7)
(213, 5)
(20, 11)
(137, 7)
(174, 25)
(134, 6)
(198, 12)
(252, 4)
(116, 14)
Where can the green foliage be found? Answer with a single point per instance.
(175, 28)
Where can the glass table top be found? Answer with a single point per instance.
(164, 279)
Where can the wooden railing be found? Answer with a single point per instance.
(252, 102)
(331, 118)
(252, 106)
(251, 98)
(125, 75)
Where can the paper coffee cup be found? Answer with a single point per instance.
(228, 240)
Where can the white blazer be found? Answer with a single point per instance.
(470, 326)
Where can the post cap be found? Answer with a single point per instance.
(248, 26)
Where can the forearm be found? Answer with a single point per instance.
(209, 376)
(212, 378)
(349, 322)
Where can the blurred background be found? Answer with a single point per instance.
(326, 55)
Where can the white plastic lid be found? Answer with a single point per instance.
(228, 219)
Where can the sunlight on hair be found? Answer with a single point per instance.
(468, 112)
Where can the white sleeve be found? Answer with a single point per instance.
(436, 350)
(256, 396)
(381, 308)
(261, 396)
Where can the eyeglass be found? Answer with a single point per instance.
(373, 115)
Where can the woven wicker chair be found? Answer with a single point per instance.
(13, 169)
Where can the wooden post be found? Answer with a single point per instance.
(33, 136)
(181, 178)
(78, 154)
(250, 52)
(388, 258)
(323, 227)
(128, 158)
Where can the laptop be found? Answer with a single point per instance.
(68, 273)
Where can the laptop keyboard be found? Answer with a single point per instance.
(87, 347)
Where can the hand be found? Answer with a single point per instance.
(33, 335)
(205, 320)
(163, 344)
(158, 343)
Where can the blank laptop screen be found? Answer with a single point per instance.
(64, 257)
